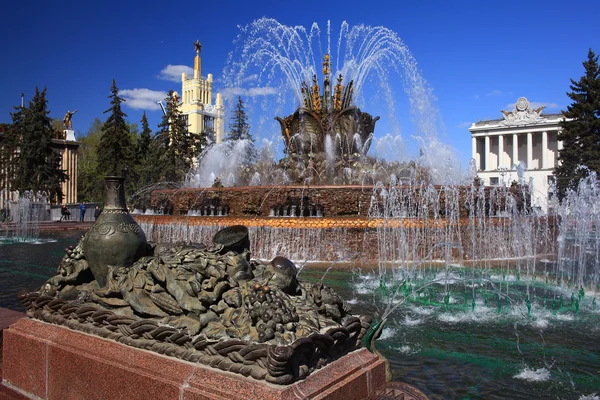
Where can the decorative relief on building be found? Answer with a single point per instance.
(522, 114)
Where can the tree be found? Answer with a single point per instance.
(147, 168)
(58, 125)
(10, 135)
(143, 143)
(116, 149)
(580, 133)
(90, 184)
(37, 162)
(239, 129)
(176, 146)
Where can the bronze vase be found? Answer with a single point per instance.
(115, 239)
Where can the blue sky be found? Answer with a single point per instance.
(478, 57)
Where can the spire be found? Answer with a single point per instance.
(197, 60)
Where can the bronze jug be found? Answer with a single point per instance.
(115, 239)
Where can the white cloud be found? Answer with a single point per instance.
(464, 125)
(536, 104)
(476, 96)
(173, 72)
(496, 93)
(250, 92)
(143, 99)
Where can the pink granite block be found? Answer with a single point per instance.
(58, 363)
(76, 375)
(24, 361)
(8, 317)
(351, 377)
(7, 393)
(333, 377)
(141, 360)
(36, 328)
(214, 384)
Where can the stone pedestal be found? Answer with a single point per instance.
(53, 362)
(69, 135)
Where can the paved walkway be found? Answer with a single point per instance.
(50, 226)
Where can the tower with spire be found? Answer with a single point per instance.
(203, 117)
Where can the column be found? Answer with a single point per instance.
(75, 174)
(529, 150)
(515, 155)
(501, 151)
(559, 143)
(67, 166)
(487, 153)
(474, 148)
(544, 149)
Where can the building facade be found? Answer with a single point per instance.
(196, 102)
(66, 145)
(523, 137)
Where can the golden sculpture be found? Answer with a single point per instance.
(316, 94)
(332, 114)
(67, 119)
(326, 65)
(339, 89)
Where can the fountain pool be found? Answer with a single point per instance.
(483, 298)
(446, 350)
(454, 352)
(27, 265)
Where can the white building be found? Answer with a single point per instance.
(524, 135)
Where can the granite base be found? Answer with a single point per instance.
(46, 361)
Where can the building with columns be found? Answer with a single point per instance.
(66, 145)
(196, 102)
(524, 135)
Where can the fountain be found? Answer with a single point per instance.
(327, 138)
(26, 214)
(326, 178)
(440, 265)
(327, 123)
(474, 294)
(213, 306)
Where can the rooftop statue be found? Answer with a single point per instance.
(522, 114)
(67, 119)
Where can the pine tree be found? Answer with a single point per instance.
(10, 137)
(239, 129)
(580, 133)
(145, 156)
(116, 154)
(143, 144)
(37, 162)
(177, 147)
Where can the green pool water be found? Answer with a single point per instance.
(449, 350)
(28, 265)
(455, 351)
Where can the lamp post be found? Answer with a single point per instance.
(503, 171)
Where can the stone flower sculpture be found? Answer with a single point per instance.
(212, 305)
